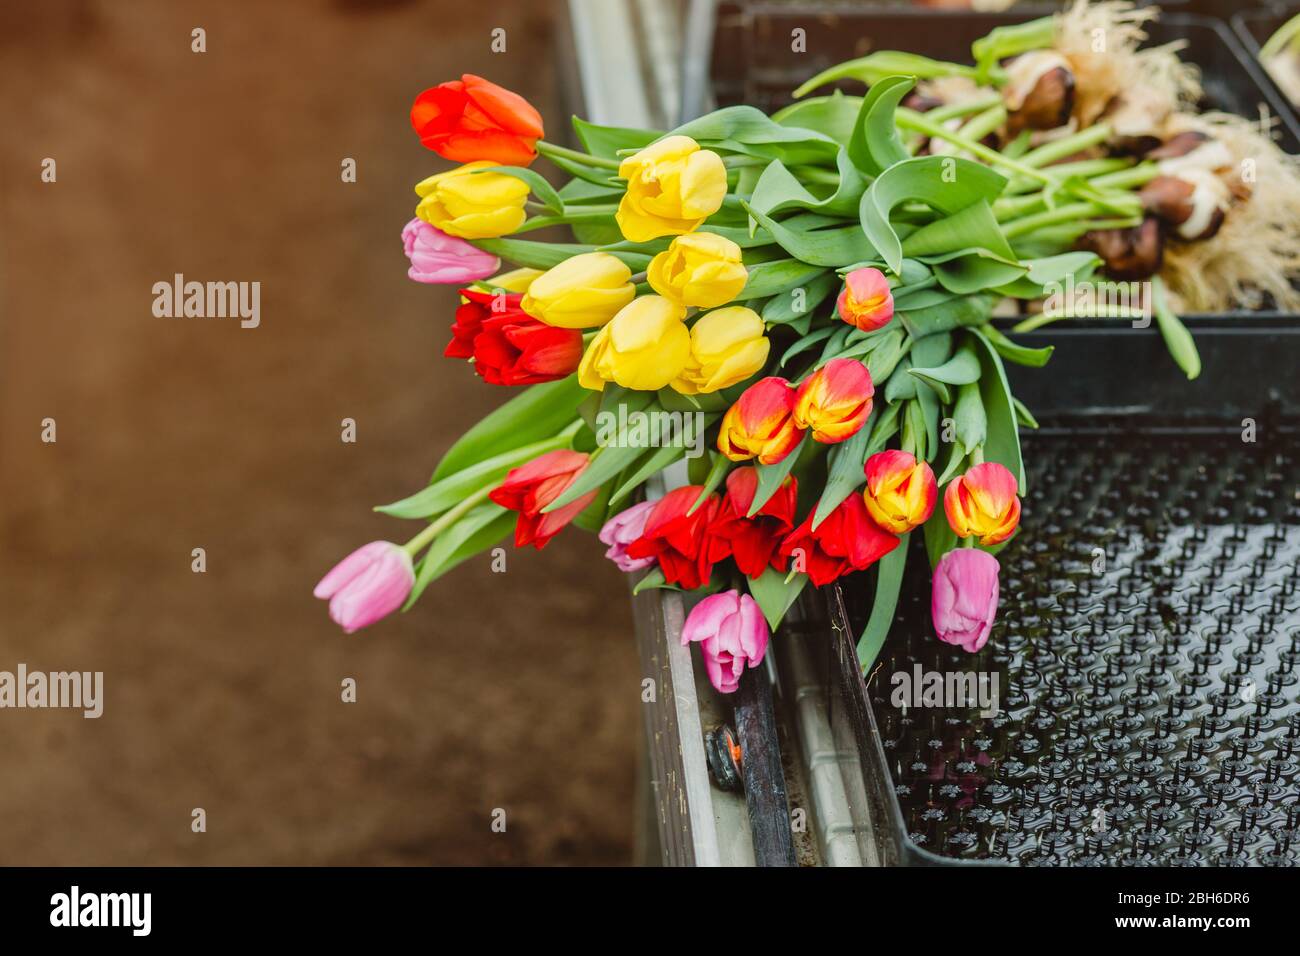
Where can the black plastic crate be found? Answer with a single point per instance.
(1112, 401)
(754, 63)
(1253, 28)
(1148, 660)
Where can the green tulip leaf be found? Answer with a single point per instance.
(480, 528)
(946, 183)
(875, 145)
(772, 278)
(889, 582)
(1003, 442)
(1012, 352)
(844, 472)
(774, 594)
(771, 477)
(536, 414)
(833, 115)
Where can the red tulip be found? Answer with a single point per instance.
(754, 541)
(471, 119)
(847, 540)
(509, 346)
(682, 543)
(531, 487)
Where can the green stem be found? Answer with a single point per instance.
(586, 215)
(919, 122)
(1050, 217)
(1049, 153)
(941, 114)
(980, 125)
(1139, 175)
(446, 520)
(573, 155)
(1085, 168)
(1281, 39)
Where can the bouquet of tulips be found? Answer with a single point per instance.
(790, 318)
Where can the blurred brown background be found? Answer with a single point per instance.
(222, 690)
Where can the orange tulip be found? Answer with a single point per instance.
(470, 119)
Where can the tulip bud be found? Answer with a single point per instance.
(470, 118)
(983, 503)
(370, 583)
(472, 205)
(439, 258)
(964, 598)
(835, 400)
(900, 492)
(621, 530)
(1040, 91)
(531, 487)
(732, 634)
(672, 187)
(866, 302)
(583, 291)
(701, 269)
(761, 423)
(727, 346)
(644, 347)
(1127, 254)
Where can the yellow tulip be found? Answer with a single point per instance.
(516, 280)
(727, 346)
(581, 292)
(472, 205)
(672, 187)
(701, 269)
(644, 347)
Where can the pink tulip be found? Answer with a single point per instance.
(731, 632)
(621, 530)
(370, 583)
(439, 258)
(964, 598)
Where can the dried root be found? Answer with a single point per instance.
(1256, 254)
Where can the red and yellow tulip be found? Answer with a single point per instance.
(983, 503)
(835, 400)
(900, 492)
(761, 423)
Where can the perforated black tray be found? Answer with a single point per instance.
(1147, 651)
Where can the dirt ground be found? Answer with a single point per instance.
(222, 689)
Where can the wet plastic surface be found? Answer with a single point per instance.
(1146, 653)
